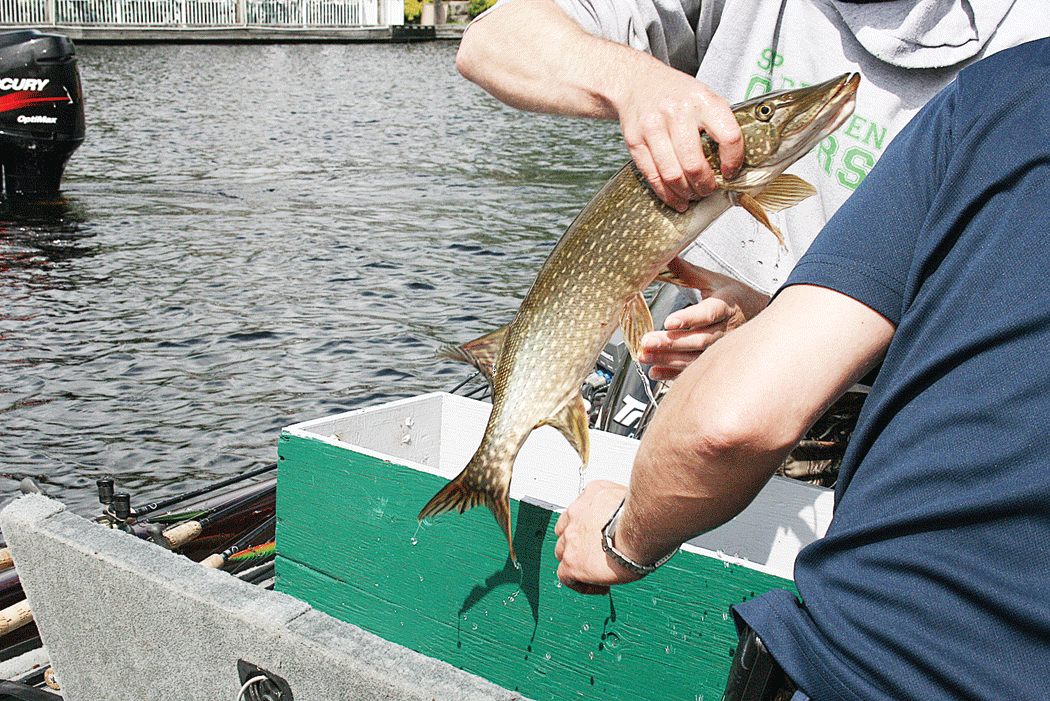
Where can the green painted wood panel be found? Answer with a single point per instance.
(349, 545)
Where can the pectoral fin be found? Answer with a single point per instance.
(635, 322)
(572, 422)
(785, 191)
(482, 352)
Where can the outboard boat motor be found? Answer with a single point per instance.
(41, 112)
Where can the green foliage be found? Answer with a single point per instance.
(413, 10)
(476, 7)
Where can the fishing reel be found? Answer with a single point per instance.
(116, 507)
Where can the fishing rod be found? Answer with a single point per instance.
(462, 384)
(15, 616)
(106, 495)
(209, 503)
(259, 575)
(482, 389)
(252, 558)
(178, 535)
(217, 560)
(10, 588)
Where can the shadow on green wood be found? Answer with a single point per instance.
(349, 545)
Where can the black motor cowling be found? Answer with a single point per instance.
(41, 112)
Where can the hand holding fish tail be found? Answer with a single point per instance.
(584, 567)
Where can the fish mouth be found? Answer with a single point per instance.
(830, 105)
(839, 105)
(813, 114)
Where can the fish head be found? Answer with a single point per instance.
(781, 127)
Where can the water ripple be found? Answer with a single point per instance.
(258, 235)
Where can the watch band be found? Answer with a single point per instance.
(609, 531)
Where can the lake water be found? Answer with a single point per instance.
(258, 235)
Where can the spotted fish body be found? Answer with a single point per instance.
(592, 281)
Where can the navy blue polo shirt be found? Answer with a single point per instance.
(933, 581)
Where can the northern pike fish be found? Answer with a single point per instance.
(593, 281)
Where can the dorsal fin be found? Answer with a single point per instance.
(482, 353)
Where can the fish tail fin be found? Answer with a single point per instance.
(499, 505)
(463, 493)
(457, 495)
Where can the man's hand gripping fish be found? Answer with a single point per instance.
(594, 278)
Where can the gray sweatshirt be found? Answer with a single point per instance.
(906, 51)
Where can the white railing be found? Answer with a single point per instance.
(26, 12)
(199, 13)
(311, 13)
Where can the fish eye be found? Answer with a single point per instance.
(764, 111)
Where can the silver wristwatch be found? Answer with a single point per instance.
(622, 560)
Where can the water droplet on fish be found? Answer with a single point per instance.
(585, 627)
(547, 656)
(416, 542)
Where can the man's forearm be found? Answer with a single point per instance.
(533, 56)
(690, 476)
(733, 415)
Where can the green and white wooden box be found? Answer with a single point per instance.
(350, 487)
